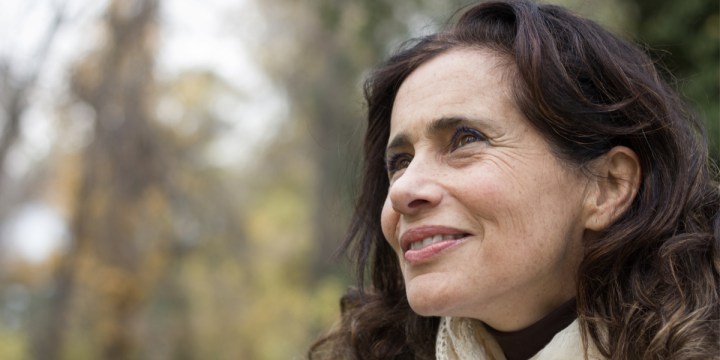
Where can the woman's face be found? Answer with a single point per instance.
(486, 222)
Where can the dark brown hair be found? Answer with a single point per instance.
(648, 287)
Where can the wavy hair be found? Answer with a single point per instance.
(648, 287)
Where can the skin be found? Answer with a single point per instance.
(464, 161)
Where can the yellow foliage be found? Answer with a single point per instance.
(13, 345)
(279, 225)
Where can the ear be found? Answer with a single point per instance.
(615, 183)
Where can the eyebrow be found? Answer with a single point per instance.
(438, 125)
(445, 123)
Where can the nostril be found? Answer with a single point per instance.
(417, 202)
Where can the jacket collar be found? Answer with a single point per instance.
(464, 338)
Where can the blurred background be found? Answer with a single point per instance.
(176, 175)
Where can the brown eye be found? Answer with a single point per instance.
(401, 164)
(466, 139)
(464, 136)
(397, 162)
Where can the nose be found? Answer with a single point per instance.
(416, 189)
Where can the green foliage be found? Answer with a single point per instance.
(685, 37)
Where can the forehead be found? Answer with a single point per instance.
(462, 82)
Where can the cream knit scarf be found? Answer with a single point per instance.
(463, 338)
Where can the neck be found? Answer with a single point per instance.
(524, 343)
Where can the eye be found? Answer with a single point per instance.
(464, 136)
(397, 162)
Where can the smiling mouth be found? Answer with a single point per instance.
(419, 245)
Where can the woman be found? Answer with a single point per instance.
(532, 189)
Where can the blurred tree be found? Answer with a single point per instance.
(201, 305)
(157, 260)
(119, 226)
(15, 89)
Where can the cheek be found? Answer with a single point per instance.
(389, 221)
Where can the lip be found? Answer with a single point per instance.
(419, 233)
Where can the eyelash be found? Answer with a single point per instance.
(393, 164)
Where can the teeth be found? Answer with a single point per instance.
(432, 240)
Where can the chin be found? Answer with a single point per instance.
(424, 309)
(427, 302)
